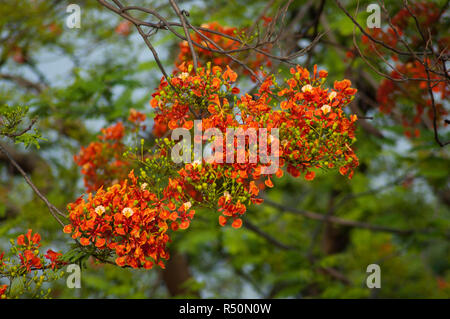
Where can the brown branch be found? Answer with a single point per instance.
(341, 221)
(270, 239)
(225, 53)
(53, 210)
(381, 2)
(166, 25)
(33, 121)
(186, 32)
(427, 70)
(334, 273)
(22, 82)
(372, 38)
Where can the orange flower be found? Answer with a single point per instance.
(133, 220)
(310, 176)
(84, 241)
(136, 116)
(229, 74)
(54, 258)
(268, 183)
(123, 28)
(323, 74)
(216, 83)
(237, 223)
(21, 240)
(343, 170)
(184, 224)
(100, 242)
(188, 125)
(120, 261)
(67, 229)
(254, 190)
(133, 223)
(222, 220)
(31, 240)
(3, 291)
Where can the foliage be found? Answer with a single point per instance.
(11, 119)
(28, 268)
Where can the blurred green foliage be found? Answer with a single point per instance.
(85, 78)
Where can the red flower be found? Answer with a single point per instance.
(136, 116)
(133, 222)
(3, 291)
(28, 240)
(29, 260)
(237, 223)
(123, 28)
(310, 176)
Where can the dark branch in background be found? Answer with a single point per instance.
(137, 23)
(381, 2)
(260, 16)
(427, 70)
(332, 272)
(26, 84)
(317, 18)
(367, 126)
(28, 162)
(53, 210)
(225, 53)
(163, 24)
(335, 220)
(370, 37)
(343, 222)
(433, 103)
(269, 238)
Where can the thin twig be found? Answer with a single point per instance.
(53, 210)
(186, 32)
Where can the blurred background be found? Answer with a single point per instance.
(76, 81)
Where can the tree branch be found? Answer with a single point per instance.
(53, 210)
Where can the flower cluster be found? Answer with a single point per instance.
(101, 161)
(314, 130)
(132, 220)
(390, 92)
(129, 220)
(27, 261)
(194, 95)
